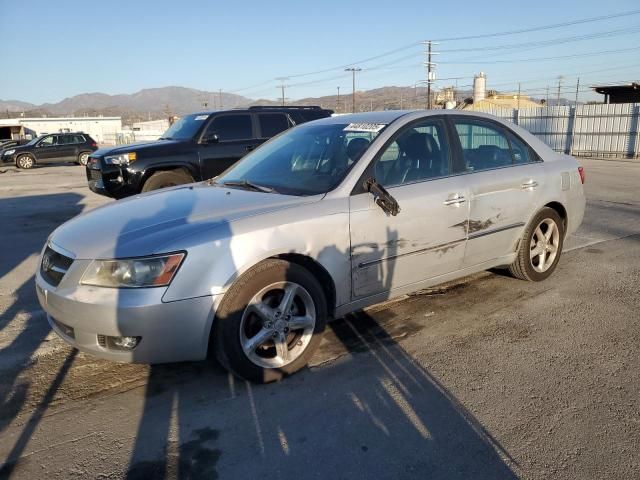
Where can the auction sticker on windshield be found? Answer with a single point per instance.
(364, 127)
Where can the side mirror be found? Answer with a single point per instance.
(211, 139)
(382, 198)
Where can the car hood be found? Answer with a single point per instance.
(135, 147)
(143, 224)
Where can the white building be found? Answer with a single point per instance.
(103, 130)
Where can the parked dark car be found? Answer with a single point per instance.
(52, 148)
(195, 148)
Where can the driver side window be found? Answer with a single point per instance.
(419, 152)
(47, 141)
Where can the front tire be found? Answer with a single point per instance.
(168, 178)
(25, 162)
(270, 322)
(540, 247)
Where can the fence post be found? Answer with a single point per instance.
(636, 148)
(573, 128)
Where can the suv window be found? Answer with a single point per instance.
(484, 146)
(419, 152)
(230, 127)
(64, 139)
(272, 124)
(47, 141)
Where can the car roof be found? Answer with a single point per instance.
(383, 117)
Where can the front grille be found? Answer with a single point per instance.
(102, 341)
(53, 266)
(96, 175)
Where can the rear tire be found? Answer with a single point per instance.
(25, 162)
(167, 178)
(540, 247)
(270, 322)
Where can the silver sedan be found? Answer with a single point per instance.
(324, 219)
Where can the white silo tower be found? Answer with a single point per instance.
(479, 87)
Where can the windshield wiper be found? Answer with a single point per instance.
(247, 185)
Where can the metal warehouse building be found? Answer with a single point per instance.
(102, 129)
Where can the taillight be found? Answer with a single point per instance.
(94, 144)
(581, 172)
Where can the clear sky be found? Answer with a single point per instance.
(56, 49)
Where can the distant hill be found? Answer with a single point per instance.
(147, 103)
(153, 103)
(14, 106)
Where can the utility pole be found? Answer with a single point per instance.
(220, 97)
(282, 86)
(547, 102)
(338, 100)
(353, 71)
(430, 70)
(518, 97)
(575, 104)
(559, 85)
(400, 100)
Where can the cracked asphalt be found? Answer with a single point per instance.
(487, 377)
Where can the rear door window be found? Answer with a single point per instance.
(484, 146)
(229, 128)
(272, 124)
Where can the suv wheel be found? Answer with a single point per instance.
(25, 161)
(270, 321)
(169, 178)
(83, 158)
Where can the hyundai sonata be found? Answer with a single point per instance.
(324, 219)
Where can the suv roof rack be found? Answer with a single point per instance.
(291, 107)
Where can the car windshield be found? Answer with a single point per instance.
(307, 160)
(185, 128)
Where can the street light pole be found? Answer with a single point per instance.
(353, 71)
(338, 100)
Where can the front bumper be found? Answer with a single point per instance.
(170, 332)
(111, 180)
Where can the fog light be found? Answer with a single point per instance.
(123, 343)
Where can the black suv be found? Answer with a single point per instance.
(195, 148)
(53, 148)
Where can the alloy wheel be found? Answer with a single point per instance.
(544, 245)
(277, 324)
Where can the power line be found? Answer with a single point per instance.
(538, 59)
(543, 27)
(555, 41)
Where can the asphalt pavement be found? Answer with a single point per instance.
(488, 377)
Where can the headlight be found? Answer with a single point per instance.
(10, 152)
(156, 271)
(122, 159)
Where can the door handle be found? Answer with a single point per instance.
(529, 184)
(456, 199)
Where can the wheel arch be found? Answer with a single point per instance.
(318, 271)
(148, 172)
(560, 210)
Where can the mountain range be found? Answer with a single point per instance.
(154, 103)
